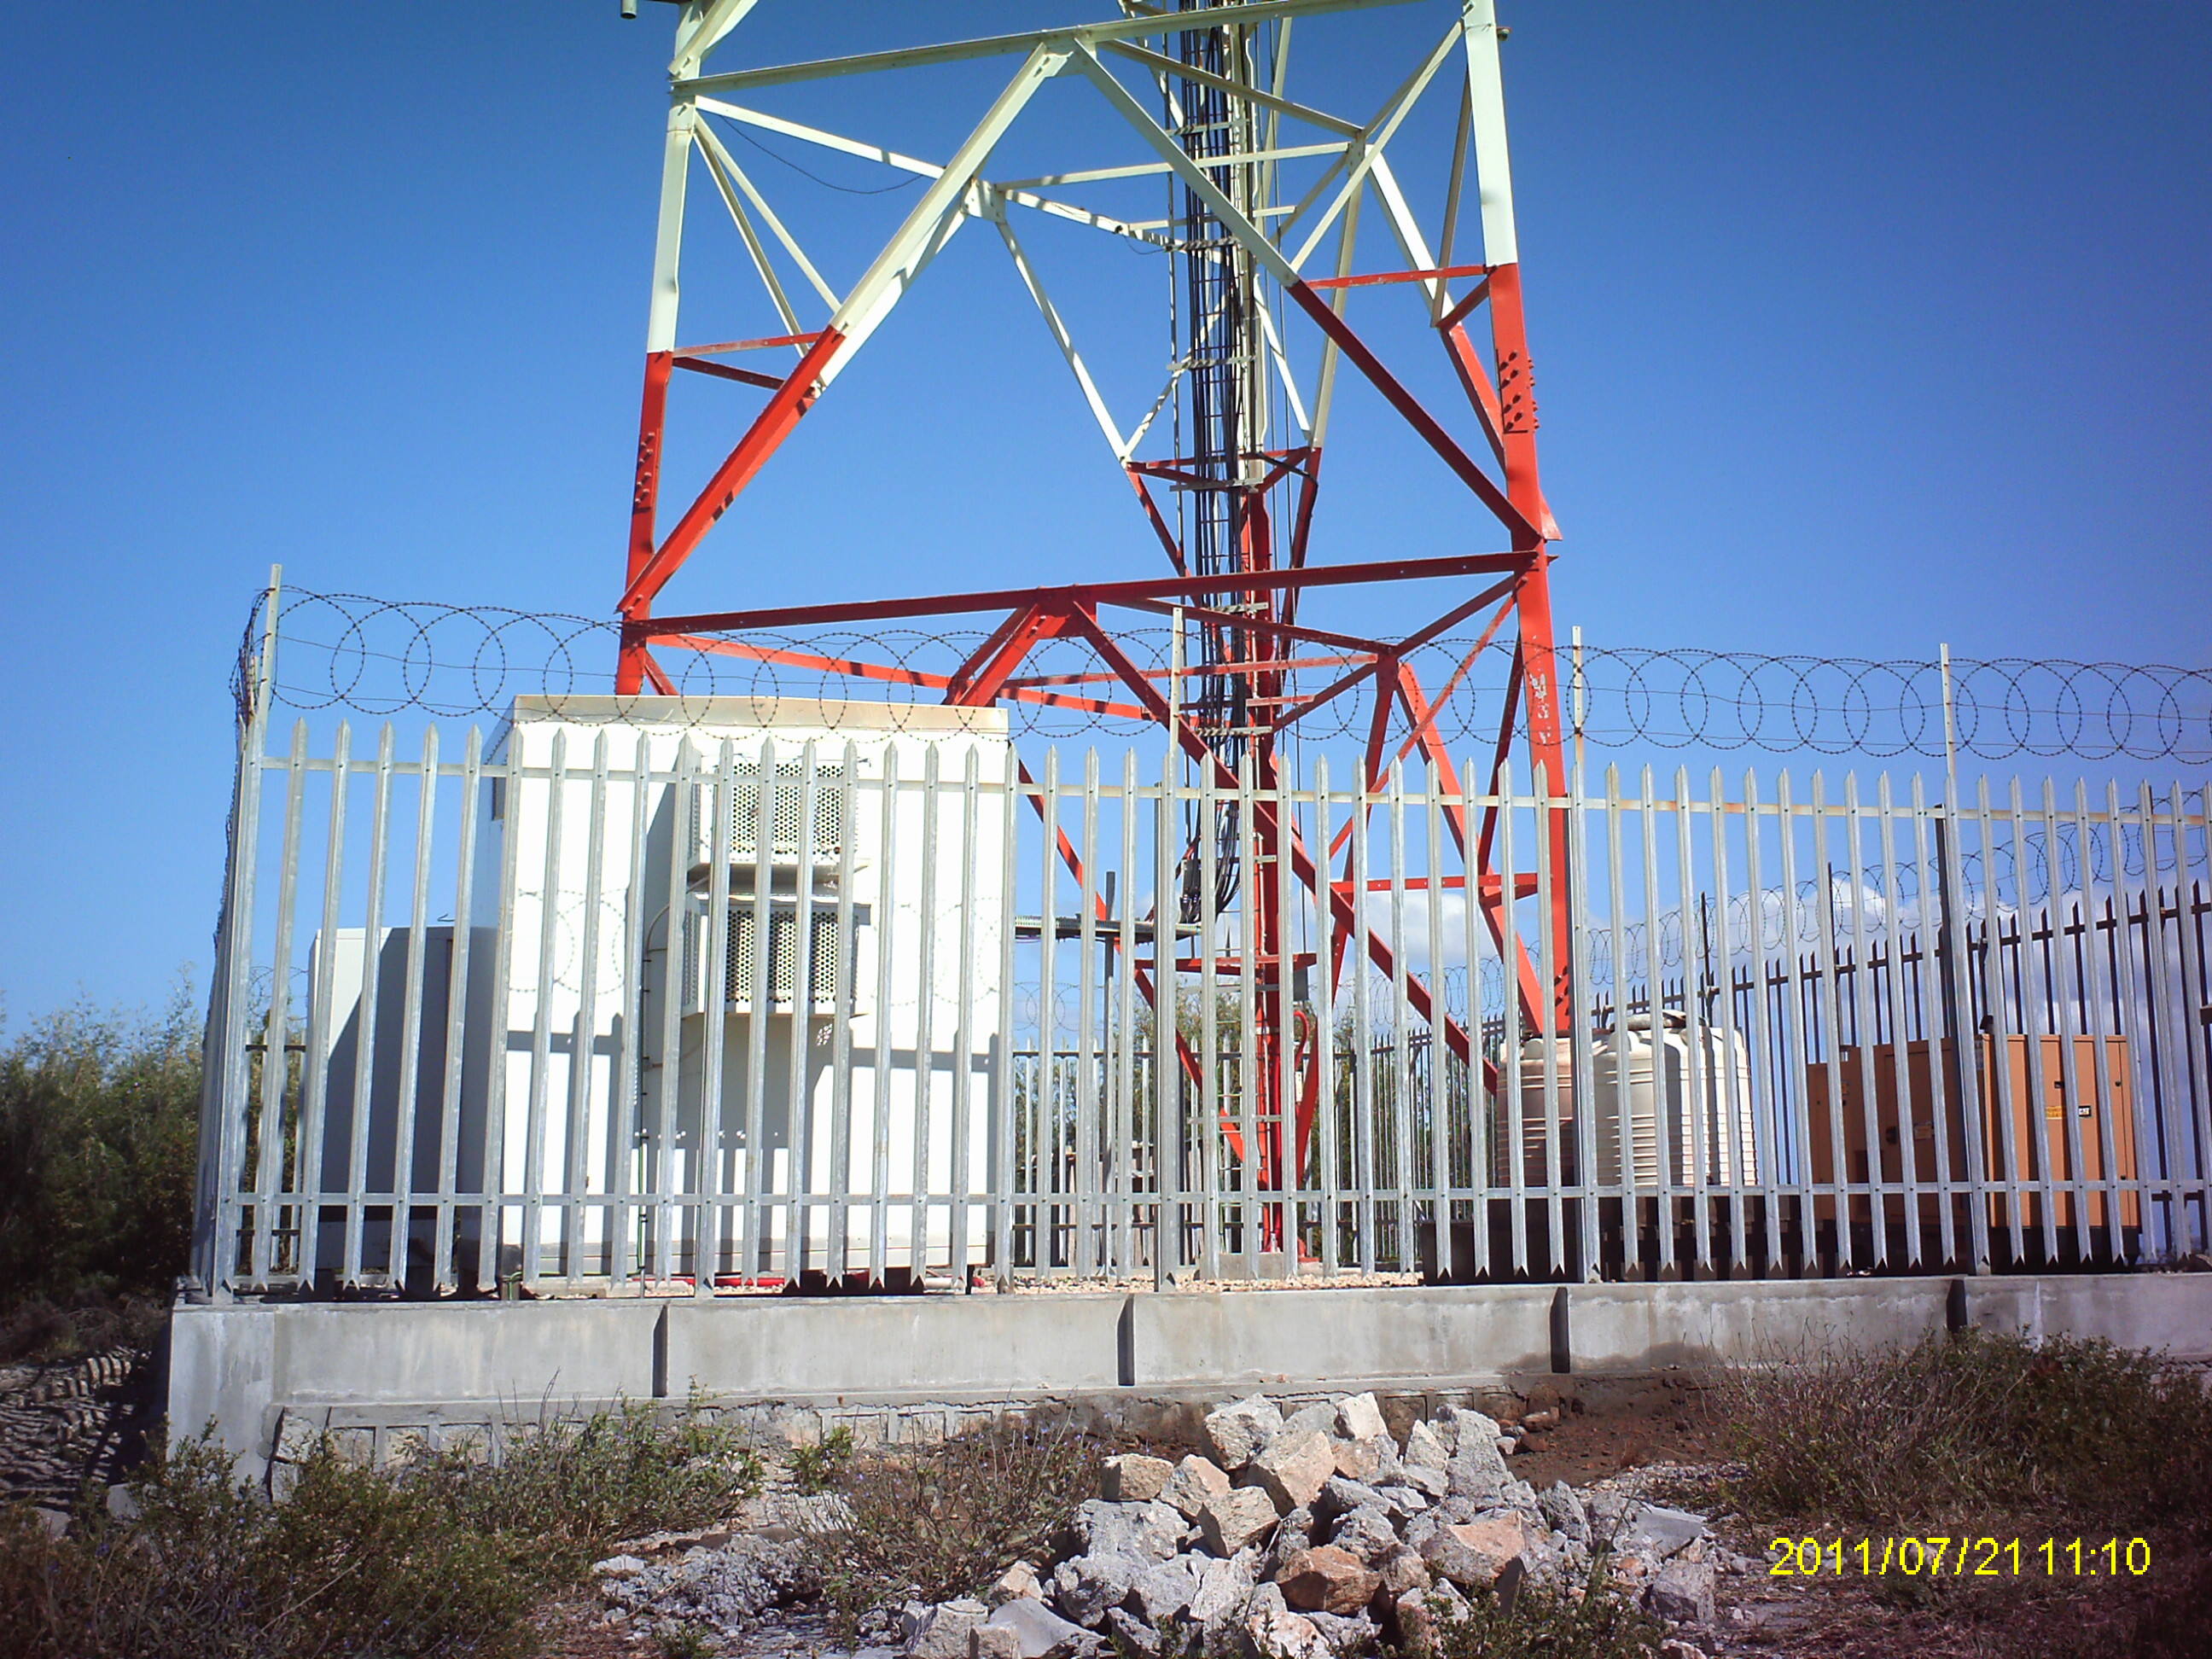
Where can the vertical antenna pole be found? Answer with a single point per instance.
(1950, 728)
(1576, 636)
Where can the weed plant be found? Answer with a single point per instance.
(1594, 1620)
(817, 1468)
(943, 1521)
(442, 1559)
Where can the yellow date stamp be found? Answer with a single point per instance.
(1933, 1555)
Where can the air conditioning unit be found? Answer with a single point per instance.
(785, 783)
(827, 969)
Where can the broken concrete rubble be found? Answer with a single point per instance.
(1268, 1546)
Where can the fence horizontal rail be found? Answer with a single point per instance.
(652, 1005)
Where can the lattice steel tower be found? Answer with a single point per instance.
(1269, 190)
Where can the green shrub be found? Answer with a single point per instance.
(441, 1559)
(350, 1563)
(99, 1126)
(2079, 1431)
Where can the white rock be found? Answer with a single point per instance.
(1273, 1631)
(1359, 1417)
(1042, 1633)
(1293, 1533)
(1019, 1582)
(1426, 1448)
(1224, 1588)
(1353, 1633)
(1085, 1586)
(1338, 1496)
(1240, 1430)
(1562, 1509)
(1237, 1519)
(1320, 1417)
(1151, 1532)
(1195, 1482)
(1657, 1531)
(1132, 1477)
(1294, 1467)
(1131, 1634)
(1367, 1533)
(1683, 1593)
(941, 1632)
(1165, 1590)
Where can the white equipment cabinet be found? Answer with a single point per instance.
(821, 1103)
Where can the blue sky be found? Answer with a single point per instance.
(1855, 330)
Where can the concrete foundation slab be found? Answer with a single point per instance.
(381, 1378)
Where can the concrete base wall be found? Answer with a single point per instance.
(270, 1379)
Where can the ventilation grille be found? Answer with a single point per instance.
(825, 968)
(786, 814)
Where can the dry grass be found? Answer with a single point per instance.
(2070, 1432)
(1594, 1619)
(942, 1521)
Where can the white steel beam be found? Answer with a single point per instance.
(1283, 372)
(828, 140)
(1160, 63)
(1091, 35)
(770, 280)
(1232, 220)
(1061, 336)
(936, 217)
(725, 161)
(668, 237)
(1494, 168)
(1361, 152)
(1174, 374)
(1411, 244)
(1347, 244)
(1152, 169)
(711, 29)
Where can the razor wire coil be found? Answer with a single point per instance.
(379, 657)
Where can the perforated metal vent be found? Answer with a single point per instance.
(786, 812)
(821, 966)
(825, 967)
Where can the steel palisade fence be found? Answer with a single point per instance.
(426, 1077)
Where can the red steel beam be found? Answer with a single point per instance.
(725, 372)
(748, 345)
(792, 399)
(1524, 531)
(1095, 593)
(1371, 279)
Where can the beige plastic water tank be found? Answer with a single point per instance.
(1708, 1108)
